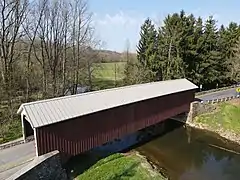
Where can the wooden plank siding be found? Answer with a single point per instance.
(84, 133)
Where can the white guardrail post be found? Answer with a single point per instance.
(214, 101)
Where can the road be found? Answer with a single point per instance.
(218, 95)
(14, 158)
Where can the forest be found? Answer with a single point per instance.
(185, 46)
(48, 46)
(45, 47)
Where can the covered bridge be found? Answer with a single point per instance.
(77, 123)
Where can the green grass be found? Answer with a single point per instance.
(107, 71)
(119, 166)
(10, 128)
(99, 84)
(10, 131)
(227, 117)
(104, 75)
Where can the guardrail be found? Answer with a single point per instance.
(214, 101)
(214, 90)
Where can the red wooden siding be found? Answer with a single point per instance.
(81, 134)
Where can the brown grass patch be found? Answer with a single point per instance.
(235, 102)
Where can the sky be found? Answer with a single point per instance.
(118, 22)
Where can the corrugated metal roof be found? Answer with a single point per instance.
(45, 112)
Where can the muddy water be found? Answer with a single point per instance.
(189, 154)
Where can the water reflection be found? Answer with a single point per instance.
(194, 155)
(212, 168)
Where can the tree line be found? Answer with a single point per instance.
(188, 47)
(45, 47)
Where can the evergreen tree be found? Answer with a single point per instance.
(160, 65)
(176, 35)
(171, 35)
(234, 65)
(223, 47)
(231, 39)
(188, 47)
(135, 73)
(146, 49)
(195, 55)
(211, 55)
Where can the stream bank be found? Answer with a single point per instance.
(221, 118)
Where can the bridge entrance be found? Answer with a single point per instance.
(28, 132)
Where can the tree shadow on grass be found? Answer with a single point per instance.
(80, 163)
(129, 172)
(88, 160)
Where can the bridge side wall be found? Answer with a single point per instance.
(81, 134)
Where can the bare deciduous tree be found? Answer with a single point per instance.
(12, 15)
(31, 26)
(44, 48)
(81, 34)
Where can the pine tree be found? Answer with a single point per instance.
(234, 65)
(160, 64)
(135, 73)
(223, 47)
(188, 47)
(173, 36)
(195, 55)
(211, 55)
(231, 39)
(146, 49)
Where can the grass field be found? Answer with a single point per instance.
(107, 71)
(104, 75)
(227, 117)
(119, 166)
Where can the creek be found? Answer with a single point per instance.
(191, 154)
(177, 151)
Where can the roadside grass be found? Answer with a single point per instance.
(106, 71)
(226, 116)
(10, 131)
(119, 166)
(99, 83)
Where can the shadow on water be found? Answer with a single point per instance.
(168, 126)
(78, 164)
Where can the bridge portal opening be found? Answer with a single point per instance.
(28, 132)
